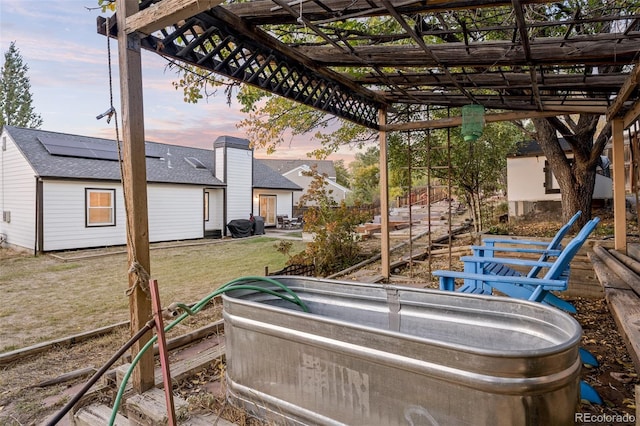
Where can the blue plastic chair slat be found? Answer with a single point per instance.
(491, 272)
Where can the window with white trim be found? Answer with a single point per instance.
(100, 207)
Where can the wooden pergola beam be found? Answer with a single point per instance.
(630, 84)
(631, 116)
(457, 121)
(264, 10)
(165, 13)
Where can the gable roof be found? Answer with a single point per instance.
(267, 178)
(305, 169)
(165, 163)
(284, 166)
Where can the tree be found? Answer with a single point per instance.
(576, 178)
(365, 176)
(332, 225)
(342, 173)
(478, 168)
(16, 101)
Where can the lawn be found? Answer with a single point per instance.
(44, 297)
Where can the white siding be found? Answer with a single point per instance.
(525, 180)
(219, 164)
(175, 212)
(64, 217)
(17, 195)
(239, 183)
(525, 185)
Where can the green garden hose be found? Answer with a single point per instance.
(236, 284)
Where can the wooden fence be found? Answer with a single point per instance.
(302, 270)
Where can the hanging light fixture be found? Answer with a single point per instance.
(472, 122)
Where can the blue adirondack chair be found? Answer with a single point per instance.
(526, 287)
(552, 249)
(516, 285)
(545, 250)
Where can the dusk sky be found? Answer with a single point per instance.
(69, 75)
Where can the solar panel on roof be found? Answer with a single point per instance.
(152, 151)
(98, 149)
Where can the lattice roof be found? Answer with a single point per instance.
(520, 55)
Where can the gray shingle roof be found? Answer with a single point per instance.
(267, 178)
(167, 165)
(283, 166)
(531, 148)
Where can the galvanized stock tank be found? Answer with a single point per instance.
(387, 355)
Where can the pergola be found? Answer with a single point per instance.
(504, 55)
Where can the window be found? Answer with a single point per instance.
(550, 182)
(100, 207)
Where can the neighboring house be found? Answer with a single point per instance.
(531, 184)
(61, 191)
(298, 171)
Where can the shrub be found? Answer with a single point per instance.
(333, 225)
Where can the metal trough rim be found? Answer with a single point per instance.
(573, 338)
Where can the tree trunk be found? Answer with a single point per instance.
(576, 177)
(475, 215)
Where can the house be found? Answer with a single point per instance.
(297, 171)
(60, 191)
(531, 184)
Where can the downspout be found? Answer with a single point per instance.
(204, 213)
(39, 234)
(252, 190)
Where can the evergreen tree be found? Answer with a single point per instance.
(16, 101)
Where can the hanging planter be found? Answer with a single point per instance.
(472, 122)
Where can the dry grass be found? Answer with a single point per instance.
(46, 298)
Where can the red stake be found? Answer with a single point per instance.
(164, 355)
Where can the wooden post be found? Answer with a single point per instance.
(163, 351)
(619, 200)
(384, 198)
(135, 190)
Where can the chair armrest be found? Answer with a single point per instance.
(549, 252)
(515, 241)
(447, 280)
(506, 261)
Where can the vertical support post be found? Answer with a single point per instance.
(164, 353)
(384, 198)
(135, 190)
(619, 201)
